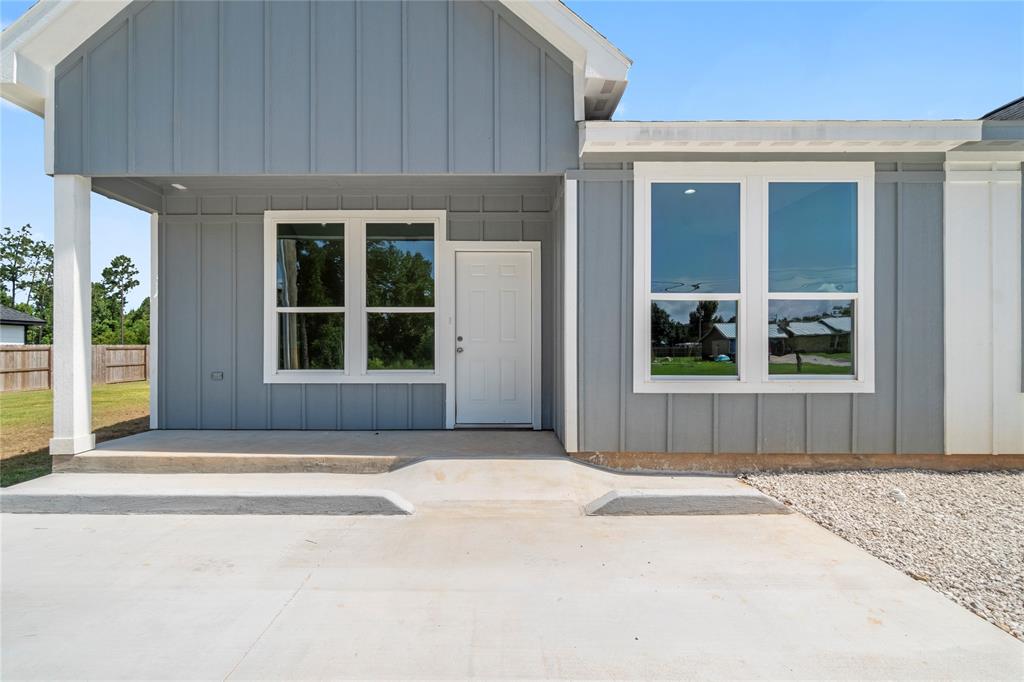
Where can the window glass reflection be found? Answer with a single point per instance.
(693, 338)
(400, 264)
(812, 236)
(400, 341)
(810, 337)
(310, 265)
(311, 341)
(695, 238)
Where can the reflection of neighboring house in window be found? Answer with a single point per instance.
(828, 335)
(720, 340)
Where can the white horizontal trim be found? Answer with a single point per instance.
(394, 309)
(371, 216)
(641, 137)
(318, 376)
(310, 309)
(812, 384)
(665, 296)
(812, 296)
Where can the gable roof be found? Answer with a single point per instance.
(809, 329)
(839, 324)
(32, 46)
(1011, 111)
(726, 329)
(12, 316)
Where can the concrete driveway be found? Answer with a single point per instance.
(516, 586)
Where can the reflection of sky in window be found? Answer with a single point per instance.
(812, 242)
(794, 310)
(695, 237)
(679, 311)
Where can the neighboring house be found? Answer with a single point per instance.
(776, 340)
(419, 215)
(720, 340)
(811, 337)
(13, 324)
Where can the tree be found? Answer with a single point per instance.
(118, 280)
(137, 325)
(39, 283)
(15, 250)
(703, 316)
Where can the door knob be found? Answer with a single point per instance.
(458, 349)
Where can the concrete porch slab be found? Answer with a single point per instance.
(357, 452)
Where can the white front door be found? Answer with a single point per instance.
(493, 337)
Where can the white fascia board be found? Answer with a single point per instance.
(573, 36)
(49, 31)
(775, 136)
(595, 59)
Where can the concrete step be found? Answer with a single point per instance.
(100, 462)
(133, 494)
(684, 502)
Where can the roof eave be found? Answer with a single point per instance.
(651, 137)
(32, 46)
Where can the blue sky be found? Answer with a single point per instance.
(692, 60)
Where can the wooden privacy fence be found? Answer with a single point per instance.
(27, 368)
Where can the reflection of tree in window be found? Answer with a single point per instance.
(400, 341)
(311, 272)
(311, 340)
(400, 265)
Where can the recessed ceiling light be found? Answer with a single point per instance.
(690, 191)
(178, 187)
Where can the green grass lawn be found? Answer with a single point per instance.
(808, 368)
(691, 367)
(26, 424)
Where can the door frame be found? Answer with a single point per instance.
(447, 269)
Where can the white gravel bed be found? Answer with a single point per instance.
(962, 534)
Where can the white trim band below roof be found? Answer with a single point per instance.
(639, 137)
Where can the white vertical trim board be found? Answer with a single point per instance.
(72, 317)
(570, 314)
(753, 297)
(984, 405)
(154, 319)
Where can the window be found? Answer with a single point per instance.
(310, 305)
(753, 277)
(351, 296)
(400, 296)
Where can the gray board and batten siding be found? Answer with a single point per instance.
(238, 87)
(211, 289)
(904, 415)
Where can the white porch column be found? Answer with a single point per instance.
(72, 317)
(983, 386)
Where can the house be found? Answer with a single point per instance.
(13, 324)
(720, 340)
(818, 336)
(421, 215)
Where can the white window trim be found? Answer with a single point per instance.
(752, 348)
(355, 311)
